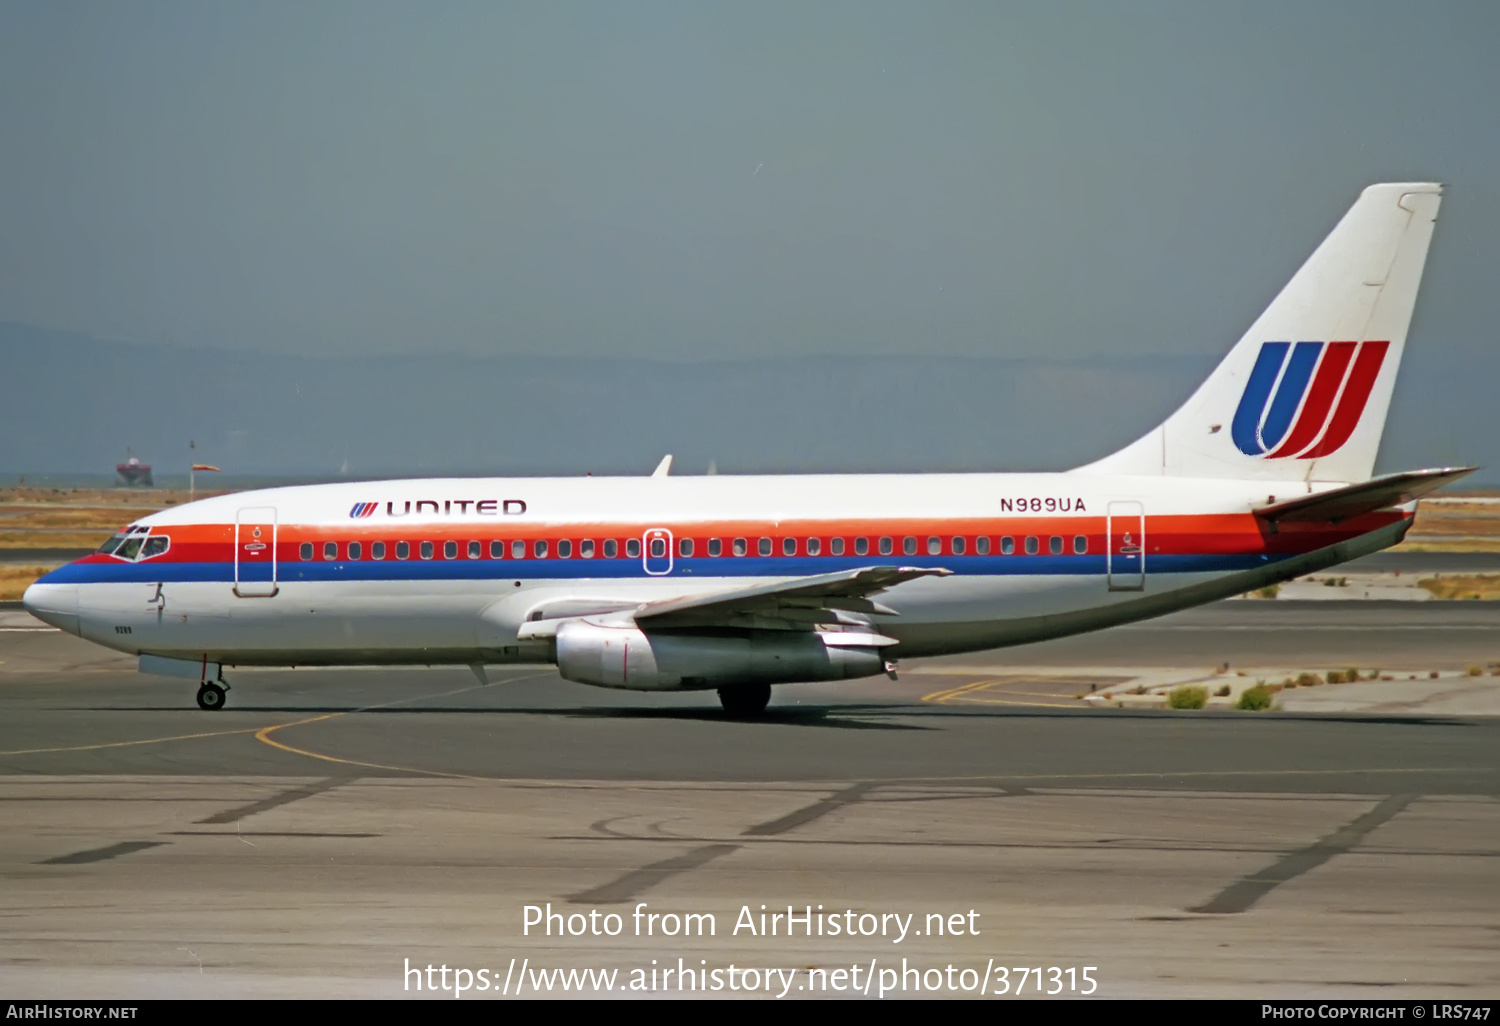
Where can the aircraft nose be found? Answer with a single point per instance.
(55, 604)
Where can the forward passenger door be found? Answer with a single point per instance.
(255, 552)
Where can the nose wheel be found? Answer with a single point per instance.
(210, 696)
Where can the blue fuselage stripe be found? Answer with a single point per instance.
(624, 569)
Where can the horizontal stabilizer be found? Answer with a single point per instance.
(1365, 497)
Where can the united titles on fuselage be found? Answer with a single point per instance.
(449, 507)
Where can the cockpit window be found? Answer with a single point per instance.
(133, 543)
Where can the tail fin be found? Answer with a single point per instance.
(1304, 394)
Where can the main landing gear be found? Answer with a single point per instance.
(211, 695)
(745, 701)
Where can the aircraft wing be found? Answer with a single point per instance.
(809, 599)
(800, 603)
(1365, 497)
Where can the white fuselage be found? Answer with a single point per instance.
(450, 570)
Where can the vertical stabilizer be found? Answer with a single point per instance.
(1304, 394)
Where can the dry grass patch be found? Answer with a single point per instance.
(1455, 522)
(54, 539)
(75, 518)
(1454, 525)
(1187, 697)
(115, 498)
(1462, 586)
(14, 580)
(1434, 543)
(51, 517)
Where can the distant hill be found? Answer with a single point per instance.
(72, 404)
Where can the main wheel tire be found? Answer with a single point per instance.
(210, 696)
(745, 700)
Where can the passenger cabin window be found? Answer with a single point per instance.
(611, 548)
(685, 547)
(518, 549)
(306, 550)
(934, 546)
(1080, 544)
(764, 546)
(475, 550)
(565, 549)
(155, 546)
(715, 546)
(836, 546)
(861, 546)
(814, 546)
(741, 547)
(1031, 545)
(958, 546)
(633, 548)
(886, 548)
(497, 550)
(330, 550)
(982, 546)
(450, 550)
(377, 550)
(586, 548)
(658, 548)
(1055, 545)
(355, 549)
(425, 549)
(909, 546)
(789, 546)
(403, 550)
(539, 550)
(1007, 545)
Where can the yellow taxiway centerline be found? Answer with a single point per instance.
(264, 734)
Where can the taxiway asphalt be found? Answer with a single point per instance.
(331, 827)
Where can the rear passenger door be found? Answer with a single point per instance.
(1125, 559)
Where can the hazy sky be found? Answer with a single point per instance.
(710, 180)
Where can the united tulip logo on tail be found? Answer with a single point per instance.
(1305, 399)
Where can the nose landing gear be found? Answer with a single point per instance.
(211, 696)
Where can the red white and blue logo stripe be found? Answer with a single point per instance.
(1304, 400)
(362, 509)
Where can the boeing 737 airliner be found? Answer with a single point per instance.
(668, 583)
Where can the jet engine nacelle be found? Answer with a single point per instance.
(626, 657)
